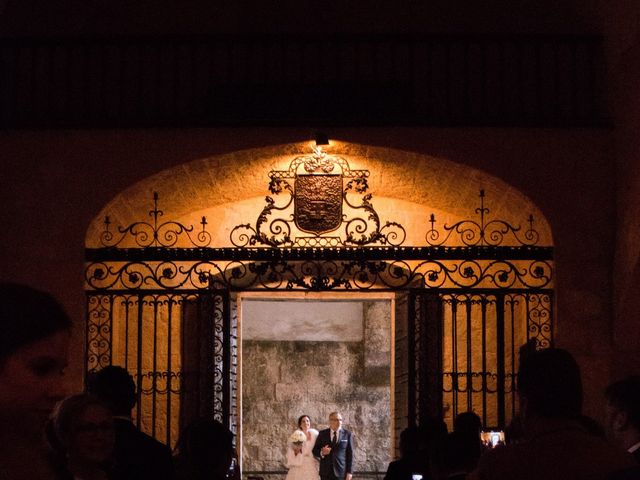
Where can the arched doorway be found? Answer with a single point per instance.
(162, 293)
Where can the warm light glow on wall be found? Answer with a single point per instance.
(233, 186)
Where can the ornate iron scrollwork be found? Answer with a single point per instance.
(315, 205)
(322, 274)
(308, 237)
(483, 233)
(539, 319)
(155, 234)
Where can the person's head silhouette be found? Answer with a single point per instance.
(623, 411)
(84, 433)
(27, 315)
(205, 450)
(34, 339)
(115, 386)
(549, 384)
(468, 423)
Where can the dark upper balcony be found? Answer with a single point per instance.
(192, 81)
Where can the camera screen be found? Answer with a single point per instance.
(492, 438)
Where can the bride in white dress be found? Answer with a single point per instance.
(301, 463)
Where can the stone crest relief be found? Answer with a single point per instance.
(318, 203)
(316, 195)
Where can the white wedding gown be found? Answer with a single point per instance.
(303, 466)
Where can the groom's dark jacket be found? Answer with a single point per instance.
(339, 462)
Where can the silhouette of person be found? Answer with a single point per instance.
(411, 461)
(205, 451)
(458, 457)
(468, 427)
(137, 456)
(419, 450)
(555, 444)
(623, 414)
(34, 339)
(84, 437)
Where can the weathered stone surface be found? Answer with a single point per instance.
(302, 320)
(316, 378)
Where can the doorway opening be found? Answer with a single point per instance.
(314, 354)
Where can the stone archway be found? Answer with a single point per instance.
(229, 190)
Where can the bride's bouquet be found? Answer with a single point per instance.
(297, 438)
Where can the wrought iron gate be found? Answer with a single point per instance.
(179, 346)
(463, 350)
(164, 310)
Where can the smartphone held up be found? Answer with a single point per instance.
(492, 438)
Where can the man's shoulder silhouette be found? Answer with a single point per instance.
(136, 454)
(140, 456)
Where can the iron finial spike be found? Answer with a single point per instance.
(482, 212)
(155, 212)
(155, 203)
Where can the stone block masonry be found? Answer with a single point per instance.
(285, 379)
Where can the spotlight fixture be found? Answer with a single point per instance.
(321, 139)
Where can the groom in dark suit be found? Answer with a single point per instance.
(334, 448)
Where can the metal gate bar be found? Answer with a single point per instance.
(484, 360)
(139, 362)
(467, 318)
(111, 316)
(500, 358)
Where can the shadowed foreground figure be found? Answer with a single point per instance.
(555, 444)
(468, 426)
(623, 414)
(412, 457)
(205, 452)
(419, 451)
(457, 457)
(83, 436)
(34, 339)
(137, 456)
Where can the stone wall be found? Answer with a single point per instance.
(624, 70)
(285, 379)
(566, 173)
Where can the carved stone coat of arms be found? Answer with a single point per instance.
(318, 202)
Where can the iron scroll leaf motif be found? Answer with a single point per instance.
(320, 274)
(155, 233)
(316, 201)
(483, 233)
